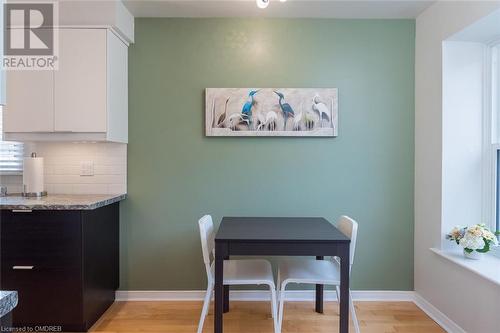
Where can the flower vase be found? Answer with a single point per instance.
(474, 255)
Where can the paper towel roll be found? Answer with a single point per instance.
(33, 175)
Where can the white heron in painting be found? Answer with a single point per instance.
(309, 120)
(271, 118)
(298, 118)
(321, 108)
(267, 121)
(237, 118)
(261, 121)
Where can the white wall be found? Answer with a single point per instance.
(463, 91)
(471, 302)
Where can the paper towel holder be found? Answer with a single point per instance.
(32, 194)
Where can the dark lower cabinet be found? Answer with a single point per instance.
(64, 265)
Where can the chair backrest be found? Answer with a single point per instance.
(207, 236)
(349, 227)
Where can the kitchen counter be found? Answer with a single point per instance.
(61, 201)
(8, 301)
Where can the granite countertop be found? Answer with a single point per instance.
(8, 301)
(61, 201)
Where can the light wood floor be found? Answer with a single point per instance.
(254, 317)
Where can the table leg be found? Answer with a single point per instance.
(220, 250)
(226, 294)
(319, 293)
(344, 288)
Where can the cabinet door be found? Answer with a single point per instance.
(30, 101)
(100, 228)
(41, 259)
(117, 89)
(80, 82)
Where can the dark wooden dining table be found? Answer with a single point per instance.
(280, 236)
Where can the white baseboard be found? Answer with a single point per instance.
(252, 295)
(296, 296)
(440, 318)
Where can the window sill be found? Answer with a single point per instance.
(488, 267)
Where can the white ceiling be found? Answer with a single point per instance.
(291, 8)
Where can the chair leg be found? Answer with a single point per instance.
(278, 283)
(272, 292)
(353, 314)
(274, 309)
(206, 305)
(281, 307)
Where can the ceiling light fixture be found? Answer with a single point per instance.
(263, 3)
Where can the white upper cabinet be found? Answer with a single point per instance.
(80, 81)
(85, 99)
(30, 102)
(117, 90)
(2, 72)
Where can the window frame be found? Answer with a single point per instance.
(496, 221)
(19, 148)
(491, 139)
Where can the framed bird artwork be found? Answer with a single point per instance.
(300, 112)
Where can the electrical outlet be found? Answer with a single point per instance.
(87, 168)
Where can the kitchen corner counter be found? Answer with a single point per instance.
(61, 201)
(8, 301)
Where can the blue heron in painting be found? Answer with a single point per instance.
(247, 108)
(285, 107)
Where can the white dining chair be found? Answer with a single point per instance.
(236, 272)
(312, 271)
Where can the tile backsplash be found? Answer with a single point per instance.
(63, 168)
(13, 183)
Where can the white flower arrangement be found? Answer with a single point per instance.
(473, 238)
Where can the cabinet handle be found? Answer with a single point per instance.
(22, 211)
(23, 267)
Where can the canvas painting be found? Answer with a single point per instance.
(271, 112)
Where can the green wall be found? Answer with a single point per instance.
(176, 174)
